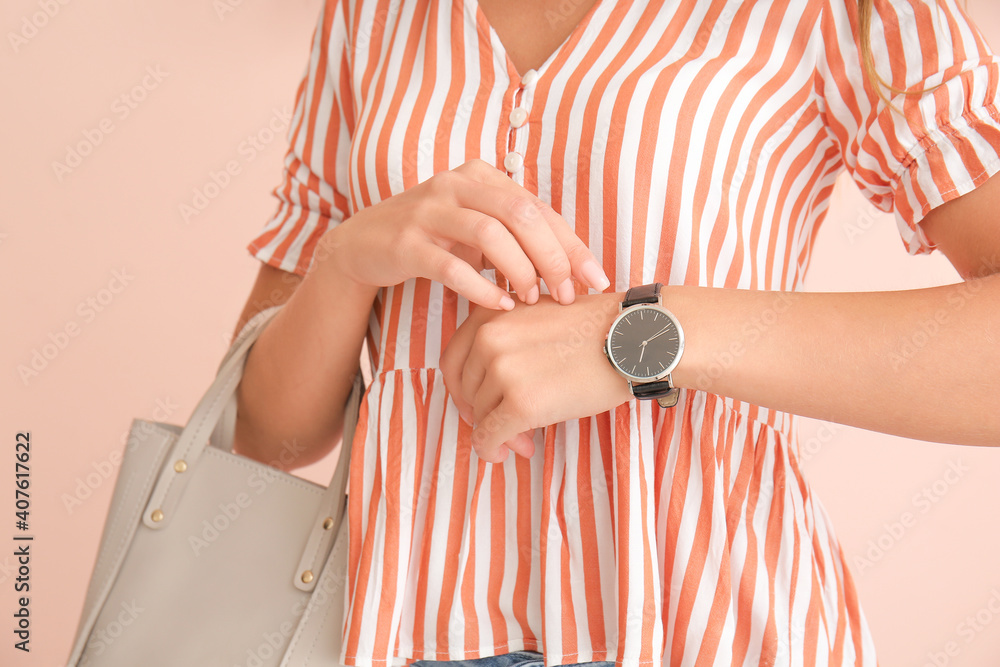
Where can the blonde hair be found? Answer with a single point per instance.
(865, 9)
(867, 60)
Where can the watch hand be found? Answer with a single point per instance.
(661, 331)
(642, 349)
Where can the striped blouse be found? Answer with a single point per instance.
(687, 143)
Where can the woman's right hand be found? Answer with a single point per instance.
(453, 225)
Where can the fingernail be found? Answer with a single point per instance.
(506, 302)
(466, 417)
(532, 296)
(566, 291)
(595, 275)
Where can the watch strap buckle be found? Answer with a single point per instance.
(669, 399)
(662, 390)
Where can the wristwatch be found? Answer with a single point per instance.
(645, 343)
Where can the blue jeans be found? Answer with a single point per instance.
(516, 659)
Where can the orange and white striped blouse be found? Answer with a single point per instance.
(685, 142)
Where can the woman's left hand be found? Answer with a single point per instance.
(512, 371)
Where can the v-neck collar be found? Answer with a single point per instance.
(499, 50)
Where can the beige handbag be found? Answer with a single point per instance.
(211, 558)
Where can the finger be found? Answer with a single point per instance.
(474, 257)
(455, 357)
(498, 427)
(523, 443)
(473, 374)
(585, 266)
(478, 229)
(438, 264)
(522, 216)
(487, 398)
(471, 256)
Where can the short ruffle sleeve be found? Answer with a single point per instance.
(313, 194)
(923, 149)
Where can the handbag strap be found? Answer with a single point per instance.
(326, 523)
(225, 430)
(204, 421)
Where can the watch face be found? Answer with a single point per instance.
(645, 343)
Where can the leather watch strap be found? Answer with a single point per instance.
(664, 392)
(642, 294)
(650, 389)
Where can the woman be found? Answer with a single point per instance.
(445, 155)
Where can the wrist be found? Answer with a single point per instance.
(677, 299)
(329, 262)
(607, 307)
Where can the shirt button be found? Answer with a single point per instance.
(517, 116)
(513, 161)
(529, 77)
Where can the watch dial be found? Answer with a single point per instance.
(644, 342)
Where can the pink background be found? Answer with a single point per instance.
(157, 341)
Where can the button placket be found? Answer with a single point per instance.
(513, 161)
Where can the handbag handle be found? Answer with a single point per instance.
(205, 419)
(225, 430)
